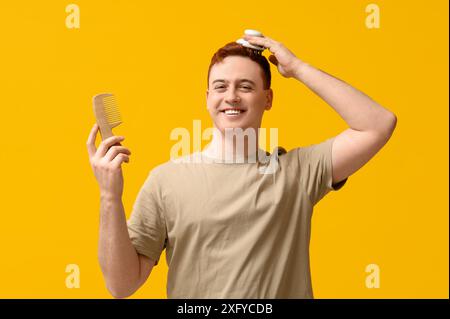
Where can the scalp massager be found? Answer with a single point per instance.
(245, 43)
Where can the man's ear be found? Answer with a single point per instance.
(207, 92)
(269, 99)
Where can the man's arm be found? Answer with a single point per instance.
(370, 124)
(123, 268)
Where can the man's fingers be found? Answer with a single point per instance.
(117, 161)
(107, 143)
(114, 150)
(263, 42)
(91, 140)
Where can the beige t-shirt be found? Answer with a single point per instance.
(229, 230)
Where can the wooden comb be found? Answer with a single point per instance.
(106, 113)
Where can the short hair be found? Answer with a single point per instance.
(236, 49)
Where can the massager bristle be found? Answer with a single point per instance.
(106, 113)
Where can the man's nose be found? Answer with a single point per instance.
(233, 97)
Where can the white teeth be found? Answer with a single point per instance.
(232, 112)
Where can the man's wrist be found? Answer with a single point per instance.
(110, 198)
(300, 70)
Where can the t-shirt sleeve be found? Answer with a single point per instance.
(316, 170)
(146, 225)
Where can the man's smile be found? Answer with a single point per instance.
(233, 112)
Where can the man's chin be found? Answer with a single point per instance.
(224, 127)
(222, 124)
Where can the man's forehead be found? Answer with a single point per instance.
(236, 70)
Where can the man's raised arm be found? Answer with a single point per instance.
(370, 124)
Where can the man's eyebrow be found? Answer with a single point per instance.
(239, 80)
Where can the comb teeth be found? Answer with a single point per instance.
(111, 110)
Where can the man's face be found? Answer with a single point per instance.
(236, 97)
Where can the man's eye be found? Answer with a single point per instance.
(222, 87)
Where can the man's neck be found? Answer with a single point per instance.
(233, 146)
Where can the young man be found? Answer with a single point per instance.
(229, 230)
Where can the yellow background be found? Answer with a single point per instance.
(154, 56)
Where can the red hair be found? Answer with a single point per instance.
(232, 49)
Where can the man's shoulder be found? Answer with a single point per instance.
(312, 149)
